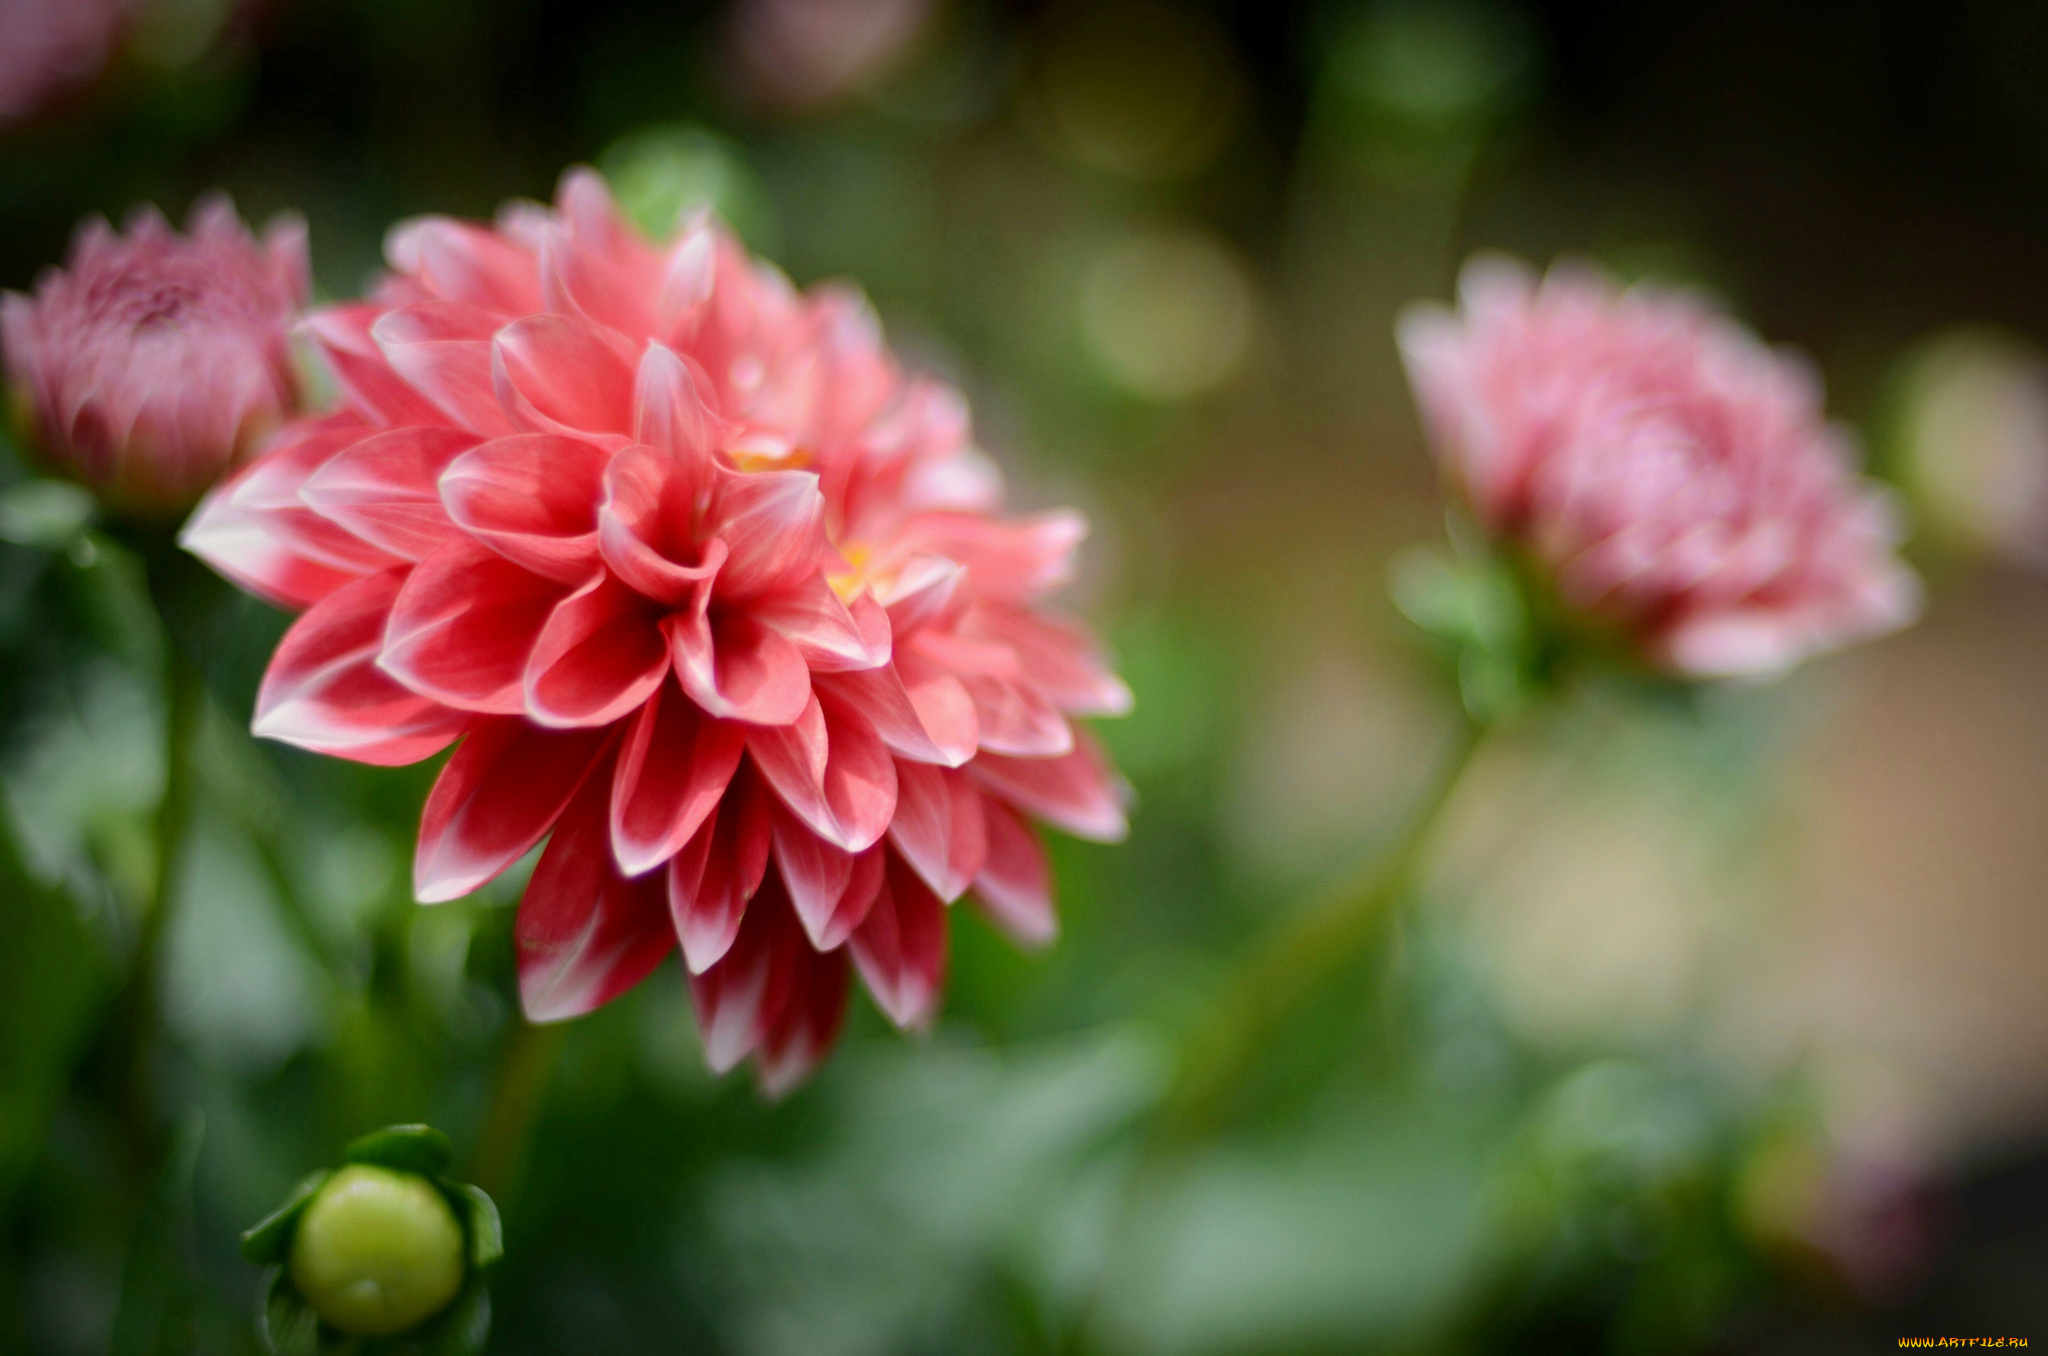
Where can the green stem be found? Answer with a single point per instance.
(1307, 948)
(523, 1073)
(140, 1002)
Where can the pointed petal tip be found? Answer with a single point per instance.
(776, 1081)
(434, 883)
(726, 1043)
(636, 860)
(700, 952)
(430, 891)
(545, 1009)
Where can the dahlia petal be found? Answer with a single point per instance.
(1438, 363)
(584, 933)
(938, 826)
(965, 479)
(1076, 793)
(728, 999)
(533, 499)
(1013, 719)
(324, 692)
(832, 769)
(631, 559)
(584, 203)
(456, 261)
(464, 625)
(676, 764)
(900, 948)
(738, 669)
(773, 526)
(803, 1032)
(523, 222)
(718, 871)
(860, 375)
(284, 240)
(671, 413)
(1014, 885)
(584, 283)
(644, 523)
(442, 349)
(851, 911)
(1756, 642)
(1008, 559)
(965, 655)
(871, 619)
(739, 998)
(923, 593)
(367, 381)
(687, 280)
(554, 374)
(918, 710)
(254, 529)
(817, 875)
(600, 656)
(506, 785)
(824, 630)
(1058, 657)
(382, 489)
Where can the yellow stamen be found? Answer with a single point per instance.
(849, 582)
(768, 456)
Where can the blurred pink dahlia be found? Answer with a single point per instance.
(1675, 477)
(156, 362)
(707, 588)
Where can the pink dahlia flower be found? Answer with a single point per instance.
(706, 588)
(156, 362)
(1675, 477)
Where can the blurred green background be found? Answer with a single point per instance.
(1717, 1025)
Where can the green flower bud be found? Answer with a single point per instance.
(388, 1247)
(377, 1251)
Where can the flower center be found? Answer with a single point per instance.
(762, 452)
(849, 582)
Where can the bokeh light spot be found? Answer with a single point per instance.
(1167, 314)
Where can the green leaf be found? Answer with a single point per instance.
(404, 1148)
(44, 513)
(270, 1238)
(287, 1324)
(480, 1224)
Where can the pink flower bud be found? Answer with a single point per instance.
(157, 362)
(1675, 478)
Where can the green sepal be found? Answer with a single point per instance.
(50, 514)
(284, 1320)
(1476, 613)
(268, 1240)
(417, 1149)
(480, 1223)
(290, 1327)
(463, 1326)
